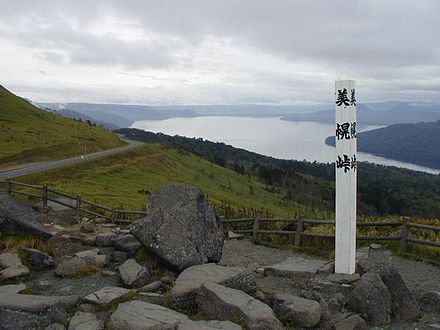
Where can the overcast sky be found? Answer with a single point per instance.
(219, 52)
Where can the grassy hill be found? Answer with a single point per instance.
(29, 134)
(126, 181)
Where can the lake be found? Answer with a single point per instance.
(268, 136)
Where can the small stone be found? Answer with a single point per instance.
(9, 260)
(105, 239)
(260, 295)
(133, 274)
(127, 243)
(38, 258)
(13, 272)
(87, 228)
(55, 326)
(89, 240)
(105, 296)
(430, 301)
(70, 266)
(82, 320)
(119, 257)
(353, 322)
(93, 257)
(154, 286)
(66, 289)
(233, 235)
(302, 312)
(86, 308)
(12, 288)
(168, 280)
(296, 268)
(375, 246)
(343, 278)
(107, 272)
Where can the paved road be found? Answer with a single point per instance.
(63, 162)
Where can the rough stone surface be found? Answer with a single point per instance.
(154, 286)
(35, 304)
(105, 239)
(85, 321)
(13, 266)
(352, 322)
(180, 227)
(404, 305)
(225, 303)
(94, 258)
(296, 268)
(127, 243)
(17, 217)
(302, 312)
(191, 279)
(38, 258)
(208, 325)
(9, 260)
(133, 274)
(430, 301)
(14, 319)
(371, 297)
(70, 266)
(55, 326)
(12, 288)
(141, 315)
(343, 278)
(105, 296)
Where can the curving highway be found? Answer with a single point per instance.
(4, 174)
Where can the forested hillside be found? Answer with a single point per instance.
(413, 143)
(381, 190)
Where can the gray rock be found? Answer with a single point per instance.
(13, 266)
(89, 240)
(85, 321)
(337, 303)
(35, 304)
(105, 296)
(86, 308)
(17, 217)
(141, 315)
(107, 272)
(371, 297)
(430, 301)
(12, 288)
(70, 266)
(93, 257)
(364, 265)
(302, 312)
(127, 243)
(133, 274)
(87, 228)
(180, 227)
(343, 278)
(375, 246)
(403, 303)
(208, 325)
(224, 303)
(296, 268)
(105, 239)
(10, 260)
(191, 279)
(15, 319)
(119, 257)
(38, 258)
(154, 286)
(352, 322)
(232, 235)
(55, 326)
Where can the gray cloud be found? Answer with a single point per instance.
(391, 45)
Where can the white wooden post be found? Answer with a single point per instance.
(346, 169)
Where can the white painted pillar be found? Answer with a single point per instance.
(346, 170)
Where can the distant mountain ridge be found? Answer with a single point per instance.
(414, 143)
(397, 112)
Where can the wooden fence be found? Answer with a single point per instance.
(82, 206)
(253, 229)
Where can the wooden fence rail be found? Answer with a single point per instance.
(253, 228)
(81, 206)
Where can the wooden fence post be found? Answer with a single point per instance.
(8, 186)
(299, 230)
(113, 214)
(404, 234)
(255, 228)
(44, 197)
(78, 206)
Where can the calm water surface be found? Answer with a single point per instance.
(267, 136)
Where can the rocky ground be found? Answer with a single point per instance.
(96, 275)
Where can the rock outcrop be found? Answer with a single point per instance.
(17, 217)
(180, 227)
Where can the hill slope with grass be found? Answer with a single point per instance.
(29, 134)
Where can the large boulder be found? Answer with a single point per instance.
(180, 227)
(403, 303)
(17, 217)
(191, 279)
(372, 298)
(300, 311)
(223, 303)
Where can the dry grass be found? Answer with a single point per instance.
(14, 243)
(85, 270)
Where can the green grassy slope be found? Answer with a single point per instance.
(29, 134)
(125, 180)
